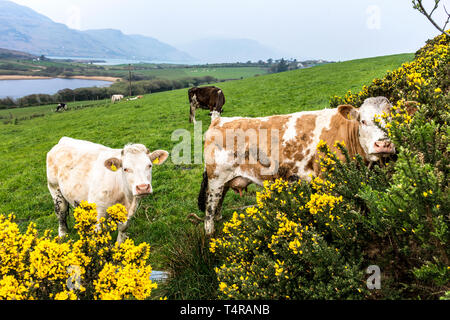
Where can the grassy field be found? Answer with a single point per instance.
(7, 114)
(148, 71)
(151, 121)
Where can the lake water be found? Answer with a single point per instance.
(19, 88)
(112, 61)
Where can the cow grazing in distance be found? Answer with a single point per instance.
(239, 151)
(210, 98)
(135, 98)
(116, 97)
(61, 106)
(79, 171)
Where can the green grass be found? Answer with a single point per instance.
(151, 121)
(46, 109)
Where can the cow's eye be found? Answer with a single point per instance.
(150, 166)
(126, 170)
(364, 122)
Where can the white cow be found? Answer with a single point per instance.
(79, 170)
(116, 97)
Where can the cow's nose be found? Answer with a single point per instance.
(384, 146)
(143, 189)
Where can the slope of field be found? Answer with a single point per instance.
(151, 121)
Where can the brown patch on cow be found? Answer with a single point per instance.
(310, 165)
(284, 172)
(341, 129)
(295, 149)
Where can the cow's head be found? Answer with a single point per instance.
(135, 166)
(373, 140)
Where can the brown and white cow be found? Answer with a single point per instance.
(79, 170)
(211, 98)
(239, 151)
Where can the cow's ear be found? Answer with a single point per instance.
(348, 112)
(113, 164)
(158, 157)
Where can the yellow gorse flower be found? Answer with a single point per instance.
(93, 267)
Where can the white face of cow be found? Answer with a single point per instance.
(373, 140)
(135, 166)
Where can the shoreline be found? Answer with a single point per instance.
(24, 77)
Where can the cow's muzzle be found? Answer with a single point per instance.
(383, 146)
(143, 189)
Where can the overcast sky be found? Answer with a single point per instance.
(303, 29)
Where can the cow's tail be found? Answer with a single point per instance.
(202, 194)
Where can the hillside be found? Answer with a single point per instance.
(151, 121)
(23, 29)
(14, 54)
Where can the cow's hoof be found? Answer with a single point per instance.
(62, 232)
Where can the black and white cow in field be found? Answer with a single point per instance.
(61, 106)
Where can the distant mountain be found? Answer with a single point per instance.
(24, 29)
(16, 55)
(214, 50)
(137, 46)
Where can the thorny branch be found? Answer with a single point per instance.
(418, 5)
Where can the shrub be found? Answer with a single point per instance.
(93, 267)
(280, 249)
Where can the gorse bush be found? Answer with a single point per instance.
(93, 267)
(280, 249)
(315, 240)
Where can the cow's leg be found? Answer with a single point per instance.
(192, 113)
(218, 214)
(214, 195)
(122, 235)
(123, 226)
(61, 210)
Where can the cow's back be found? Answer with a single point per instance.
(296, 137)
(70, 167)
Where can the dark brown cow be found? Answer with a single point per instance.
(211, 98)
